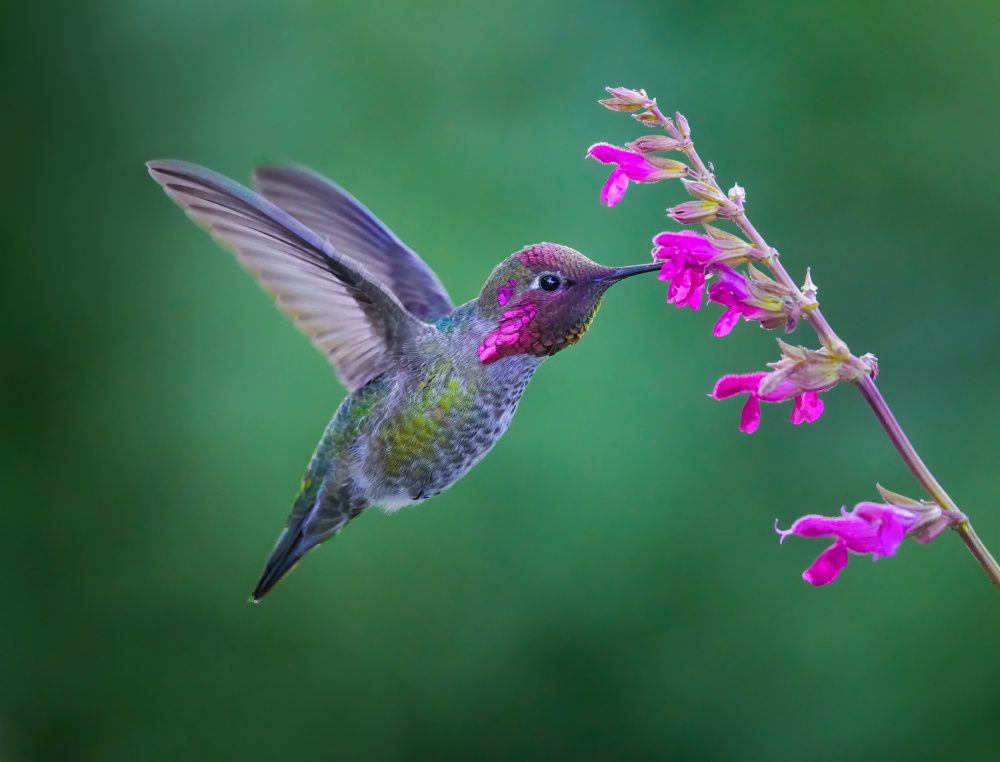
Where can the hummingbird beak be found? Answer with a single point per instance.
(620, 273)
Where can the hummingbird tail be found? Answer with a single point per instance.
(292, 544)
(315, 517)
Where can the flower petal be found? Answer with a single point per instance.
(699, 247)
(732, 281)
(750, 417)
(733, 384)
(609, 154)
(826, 568)
(614, 188)
(726, 323)
(808, 407)
(686, 289)
(671, 267)
(847, 527)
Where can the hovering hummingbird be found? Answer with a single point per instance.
(432, 386)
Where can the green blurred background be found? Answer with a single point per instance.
(607, 583)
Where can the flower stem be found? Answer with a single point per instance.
(978, 550)
(912, 460)
(734, 211)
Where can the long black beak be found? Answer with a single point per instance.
(620, 273)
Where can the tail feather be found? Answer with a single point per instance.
(288, 551)
(316, 516)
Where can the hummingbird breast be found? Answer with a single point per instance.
(413, 432)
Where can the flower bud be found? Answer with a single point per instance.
(737, 194)
(682, 125)
(617, 104)
(651, 143)
(693, 212)
(704, 192)
(629, 96)
(646, 117)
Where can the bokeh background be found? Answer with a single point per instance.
(607, 584)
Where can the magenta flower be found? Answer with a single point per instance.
(798, 375)
(686, 255)
(808, 406)
(869, 528)
(755, 298)
(630, 166)
(876, 528)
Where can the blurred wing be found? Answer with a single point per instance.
(350, 317)
(325, 207)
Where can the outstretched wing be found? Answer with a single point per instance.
(349, 316)
(325, 207)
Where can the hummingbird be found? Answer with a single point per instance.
(432, 387)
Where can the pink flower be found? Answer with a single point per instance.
(798, 375)
(685, 255)
(630, 166)
(808, 406)
(875, 528)
(754, 298)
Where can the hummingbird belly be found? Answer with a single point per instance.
(434, 440)
(409, 441)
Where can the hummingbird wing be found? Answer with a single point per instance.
(322, 205)
(347, 313)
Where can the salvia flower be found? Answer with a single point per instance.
(807, 408)
(798, 376)
(875, 528)
(630, 166)
(686, 255)
(756, 297)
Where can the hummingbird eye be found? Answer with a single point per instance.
(549, 282)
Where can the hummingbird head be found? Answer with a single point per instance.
(543, 299)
